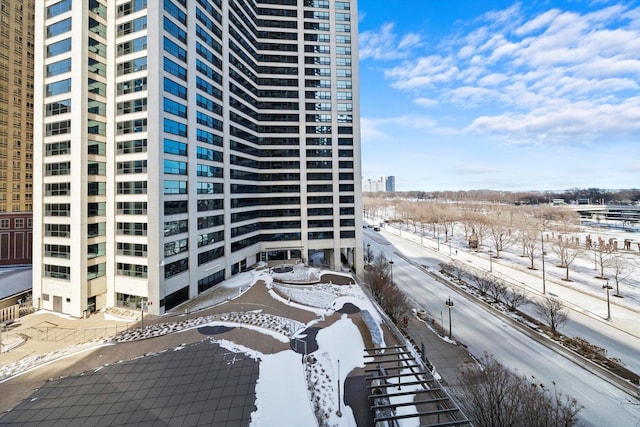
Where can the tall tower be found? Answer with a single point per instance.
(181, 142)
(16, 130)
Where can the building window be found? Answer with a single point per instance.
(175, 147)
(57, 189)
(133, 26)
(173, 167)
(172, 228)
(175, 128)
(131, 86)
(97, 270)
(175, 187)
(132, 66)
(131, 270)
(132, 106)
(176, 267)
(57, 88)
(55, 169)
(57, 251)
(59, 67)
(58, 8)
(95, 127)
(58, 128)
(96, 67)
(59, 107)
(57, 230)
(97, 47)
(59, 27)
(5, 223)
(96, 209)
(174, 248)
(97, 87)
(131, 46)
(131, 208)
(132, 228)
(132, 126)
(132, 187)
(133, 166)
(132, 249)
(96, 168)
(96, 250)
(131, 7)
(175, 50)
(96, 229)
(57, 272)
(58, 48)
(96, 188)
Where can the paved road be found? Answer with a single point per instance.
(482, 331)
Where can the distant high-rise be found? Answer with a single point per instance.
(390, 184)
(384, 184)
(180, 142)
(16, 130)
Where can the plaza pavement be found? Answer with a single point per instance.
(86, 375)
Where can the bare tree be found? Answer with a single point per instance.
(553, 312)
(621, 268)
(483, 283)
(497, 290)
(515, 297)
(530, 246)
(500, 234)
(495, 397)
(392, 300)
(567, 250)
(602, 251)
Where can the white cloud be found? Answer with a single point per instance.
(425, 102)
(410, 40)
(553, 76)
(370, 131)
(382, 45)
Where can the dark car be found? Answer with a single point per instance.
(376, 228)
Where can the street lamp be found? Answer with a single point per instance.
(391, 264)
(449, 304)
(490, 260)
(608, 288)
(544, 283)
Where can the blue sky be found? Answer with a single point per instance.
(470, 94)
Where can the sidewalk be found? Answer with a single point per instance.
(447, 358)
(624, 318)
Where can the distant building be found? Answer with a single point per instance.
(384, 184)
(390, 184)
(16, 131)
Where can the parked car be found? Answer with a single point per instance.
(376, 228)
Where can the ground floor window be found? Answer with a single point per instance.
(133, 302)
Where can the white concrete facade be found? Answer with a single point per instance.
(182, 141)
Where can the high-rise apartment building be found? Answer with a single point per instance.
(16, 130)
(179, 142)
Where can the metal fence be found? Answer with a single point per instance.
(72, 335)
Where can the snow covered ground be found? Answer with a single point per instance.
(584, 272)
(311, 392)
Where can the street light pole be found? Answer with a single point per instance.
(608, 288)
(391, 264)
(544, 282)
(490, 260)
(449, 304)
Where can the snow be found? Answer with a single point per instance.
(272, 405)
(305, 388)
